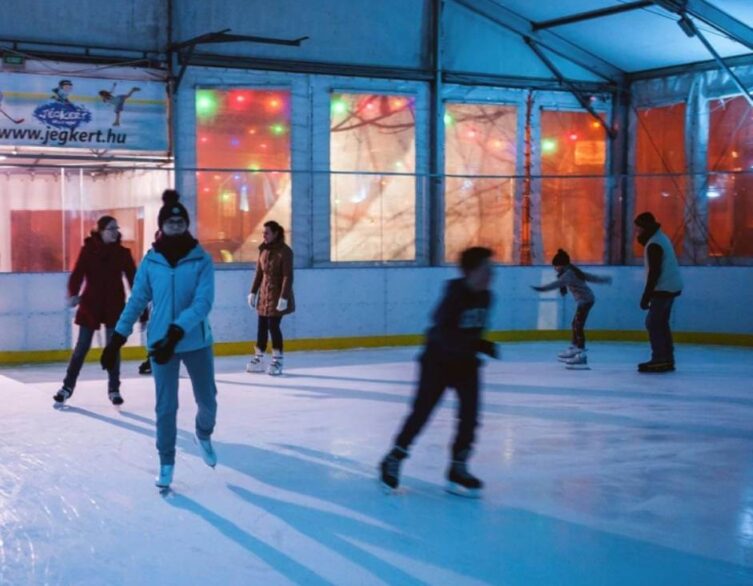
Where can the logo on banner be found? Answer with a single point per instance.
(60, 112)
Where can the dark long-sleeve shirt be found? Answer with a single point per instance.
(572, 282)
(459, 320)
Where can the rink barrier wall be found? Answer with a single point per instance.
(349, 343)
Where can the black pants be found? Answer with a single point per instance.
(436, 376)
(659, 332)
(579, 323)
(269, 325)
(83, 344)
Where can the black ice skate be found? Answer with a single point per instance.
(115, 398)
(145, 367)
(461, 482)
(62, 395)
(656, 366)
(390, 468)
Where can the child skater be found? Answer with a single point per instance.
(571, 278)
(449, 360)
(117, 101)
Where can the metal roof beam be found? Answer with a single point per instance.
(582, 16)
(508, 19)
(711, 15)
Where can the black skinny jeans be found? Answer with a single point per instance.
(269, 325)
(579, 323)
(436, 376)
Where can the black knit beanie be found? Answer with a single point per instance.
(646, 220)
(561, 259)
(171, 207)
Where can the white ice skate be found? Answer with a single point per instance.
(256, 364)
(566, 355)
(275, 367)
(62, 396)
(165, 478)
(578, 362)
(207, 451)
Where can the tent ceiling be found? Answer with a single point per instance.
(638, 40)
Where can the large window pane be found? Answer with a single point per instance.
(660, 150)
(47, 212)
(730, 188)
(372, 213)
(479, 140)
(243, 152)
(572, 208)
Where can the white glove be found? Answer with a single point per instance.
(282, 304)
(252, 300)
(73, 300)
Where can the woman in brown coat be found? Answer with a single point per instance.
(272, 296)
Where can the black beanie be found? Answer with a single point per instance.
(646, 220)
(171, 207)
(561, 259)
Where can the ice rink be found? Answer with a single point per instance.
(600, 477)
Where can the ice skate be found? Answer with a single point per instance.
(565, 355)
(578, 362)
(657, 366)
(390, 469)
(275, 367)
(62, 396)
(207, 451)
(115, 398)
(461, 482)
(145, 367)
(165, 478)
(256, 364)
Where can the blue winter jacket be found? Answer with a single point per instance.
(180, 295)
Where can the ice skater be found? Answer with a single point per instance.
(8, 116)
(663, 285)
(62, 92)
(177, 276)
(571, 278)
(117, 101)
(100, 267)
(272, 296)
(449, 360)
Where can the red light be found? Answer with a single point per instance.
(573, 136)
(204, 139)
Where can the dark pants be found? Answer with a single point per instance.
(269, 325)
(436, 376)
(579, 322)
(83, 344)
(657, 324)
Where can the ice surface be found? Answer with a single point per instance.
(596, 477)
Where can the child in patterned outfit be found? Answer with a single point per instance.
(571, 278)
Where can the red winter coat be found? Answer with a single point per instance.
(100, 268)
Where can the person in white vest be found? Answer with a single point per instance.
(663, 284)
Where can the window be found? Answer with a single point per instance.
(572, 208)
(660, 150)
(47, 212)
(479, 211)
(372, 187)
(730, 182)
(243, 155)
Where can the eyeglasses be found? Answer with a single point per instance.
(176, 222)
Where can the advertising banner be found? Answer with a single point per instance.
(76, 112)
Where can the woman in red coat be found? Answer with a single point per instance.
(99, 268)
(272, 296)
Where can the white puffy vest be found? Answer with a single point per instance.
(669, 279)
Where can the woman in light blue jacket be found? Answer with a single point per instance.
(177, 276)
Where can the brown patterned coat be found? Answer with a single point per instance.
(274, 279)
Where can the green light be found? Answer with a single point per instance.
(227, 195)
(254, 167)
(339, 106)
(277, 129)
(548, 145)
(206, 103)
(449, 119)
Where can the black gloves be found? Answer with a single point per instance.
(163, 349)
(488, 348)
(112, 351)
(645, 301)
